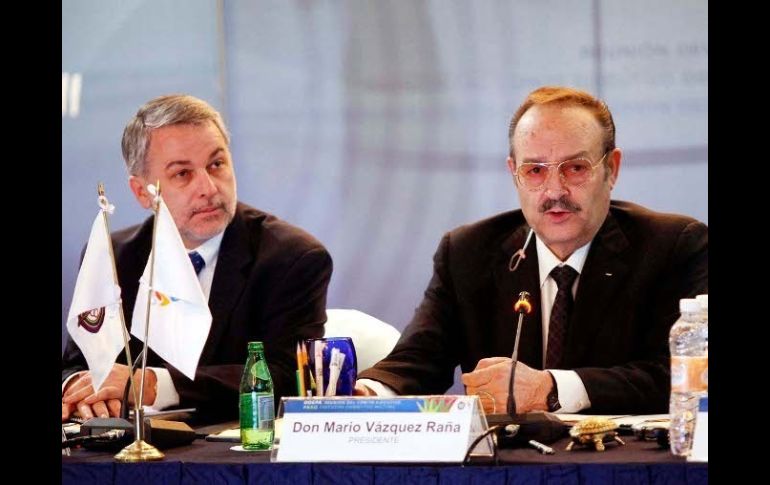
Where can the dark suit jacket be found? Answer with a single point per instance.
(638, 267)
(269, 285)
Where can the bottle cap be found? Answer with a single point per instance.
(704, 301)
(256, 346)
(689, 305)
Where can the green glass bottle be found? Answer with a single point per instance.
(256, 406)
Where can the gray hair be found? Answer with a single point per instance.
(173, 109)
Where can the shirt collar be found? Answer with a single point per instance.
(547, 261)
(210, 248)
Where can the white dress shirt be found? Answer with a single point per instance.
(572, 392)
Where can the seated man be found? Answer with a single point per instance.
(605, 278)
(265, 279)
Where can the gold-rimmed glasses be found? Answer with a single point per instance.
(574, 172)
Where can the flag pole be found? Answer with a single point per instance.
(106, 207)
(140, 450)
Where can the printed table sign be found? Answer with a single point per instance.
(380, 429)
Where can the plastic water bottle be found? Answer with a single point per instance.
(688, 342)
(257, 412)
(704, 308)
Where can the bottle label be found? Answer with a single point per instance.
(260, 371)
(266, 409)
(257, 410)
(689, 374)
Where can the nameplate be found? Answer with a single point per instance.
(377, 429)
(700, 440)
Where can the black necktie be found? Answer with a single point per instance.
(560, 311)
(197, 261)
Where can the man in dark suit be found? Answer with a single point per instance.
(605, 278)
(265, 279)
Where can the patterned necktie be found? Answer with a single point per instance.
(197, 261)
(562, 306)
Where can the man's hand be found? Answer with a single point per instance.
(362, 390)
(79, 394)
(489, 380)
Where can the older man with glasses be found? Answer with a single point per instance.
(605, 278)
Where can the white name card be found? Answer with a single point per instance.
(700, 441)
(377, 429)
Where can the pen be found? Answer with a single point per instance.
(546, 450)
(312, 386)
(307, 374)
(318, 348)
(300, 373)
(335, 367)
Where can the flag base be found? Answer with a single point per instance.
(138, 451)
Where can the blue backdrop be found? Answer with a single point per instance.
(379, 125)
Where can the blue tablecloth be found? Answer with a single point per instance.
(213, 463)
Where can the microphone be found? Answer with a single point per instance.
(523, 306)
(516, 258)
(538, 426)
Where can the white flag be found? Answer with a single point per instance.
(94, 319)
(180, 319)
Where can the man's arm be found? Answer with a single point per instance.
(424, 359)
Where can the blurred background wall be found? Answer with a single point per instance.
(378, 125)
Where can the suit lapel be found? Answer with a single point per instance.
(603, 273)
(229, 281)
(510, 284)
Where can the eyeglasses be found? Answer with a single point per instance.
(574, 172)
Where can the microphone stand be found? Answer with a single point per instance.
(523, 307)
(140, 450)
(537, 425)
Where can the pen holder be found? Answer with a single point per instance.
(338, 365)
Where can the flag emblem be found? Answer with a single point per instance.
(92, 320)
(162, 299)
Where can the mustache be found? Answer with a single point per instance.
(219, 204)
(562, 203)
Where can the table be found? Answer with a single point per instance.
(639, 462)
